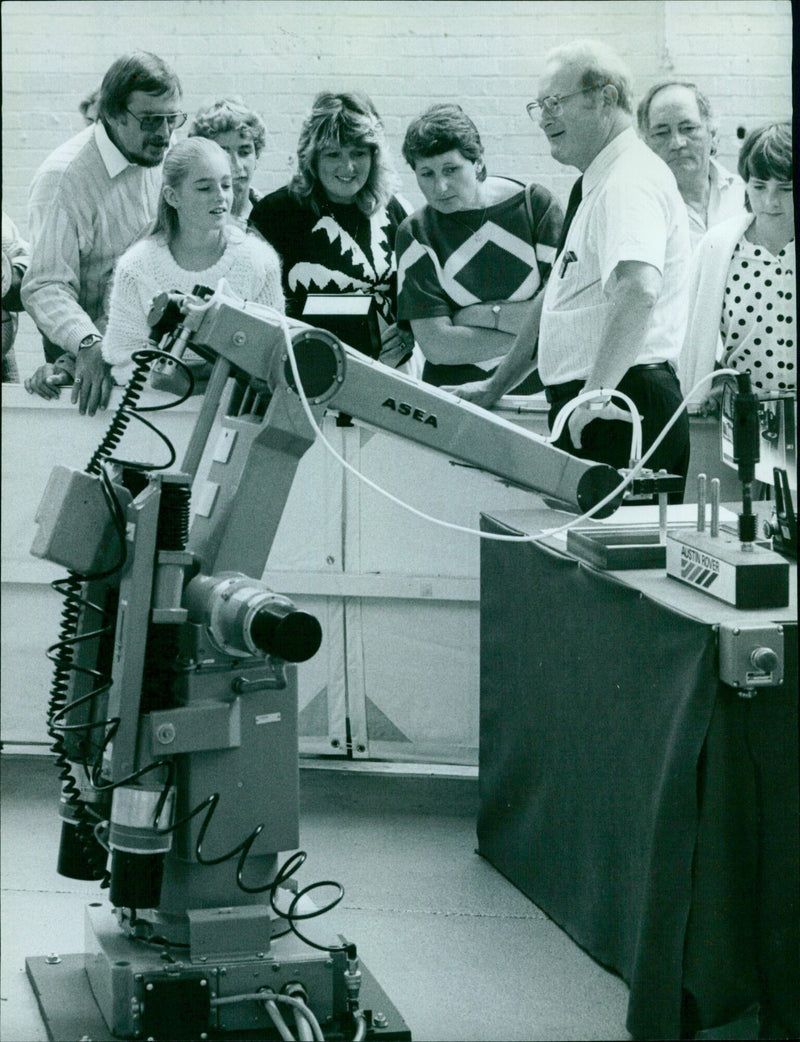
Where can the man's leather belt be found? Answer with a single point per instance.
(650, 365)
(559, 392)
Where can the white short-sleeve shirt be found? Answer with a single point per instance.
(631, 210)
(725, 200)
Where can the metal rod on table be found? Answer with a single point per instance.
(714, 507)
(662, 518)
(701, 502)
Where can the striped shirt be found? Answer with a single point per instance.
(87, 205)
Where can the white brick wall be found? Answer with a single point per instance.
(278, 53)
(745, 69)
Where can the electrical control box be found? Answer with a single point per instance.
(751, 656)
(76, 522)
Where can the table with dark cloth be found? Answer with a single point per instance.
(642, 804)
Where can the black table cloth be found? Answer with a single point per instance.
(646, 807)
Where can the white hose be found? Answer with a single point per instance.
(498, 537)
(304, 1030)
(305, 1011)
(269, 999)
(277, 1019)
(601, 392)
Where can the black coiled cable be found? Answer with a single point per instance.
(287, 870)
(283, 875)
(120, 419)
(172, 534)
(128, 409)
(62, 653)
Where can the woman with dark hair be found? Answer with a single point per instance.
(192, 243)
(472, 259)
(240, 132)
(334, 224)
(743, 310)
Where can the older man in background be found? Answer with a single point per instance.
(676, 121)
(89, 201)
(614, 309)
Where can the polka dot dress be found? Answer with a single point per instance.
(759, 316)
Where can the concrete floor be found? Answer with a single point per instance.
(460, 952)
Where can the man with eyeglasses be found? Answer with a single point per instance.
(89, 201)
(676, 121)
(613, 312)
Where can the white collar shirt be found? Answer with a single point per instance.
(87, 205)
(630, 210)
(114, 161)
(725, 200)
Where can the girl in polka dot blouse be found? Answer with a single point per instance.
(750, 260)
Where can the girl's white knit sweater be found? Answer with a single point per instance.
(249, 264)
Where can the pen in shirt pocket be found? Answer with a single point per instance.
(569, 258)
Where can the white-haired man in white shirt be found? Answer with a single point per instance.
(613, 312)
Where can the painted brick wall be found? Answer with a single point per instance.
(739, 53)
(278, 53)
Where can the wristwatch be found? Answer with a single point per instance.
(89, 341)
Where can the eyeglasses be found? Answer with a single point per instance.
(149, 124)
(552, 104)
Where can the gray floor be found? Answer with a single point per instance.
(461, 953)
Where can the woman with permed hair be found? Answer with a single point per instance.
(239, 131)
(334, 224)
(471, 261)
(743, 309)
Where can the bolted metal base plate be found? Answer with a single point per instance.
(71, 1014)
